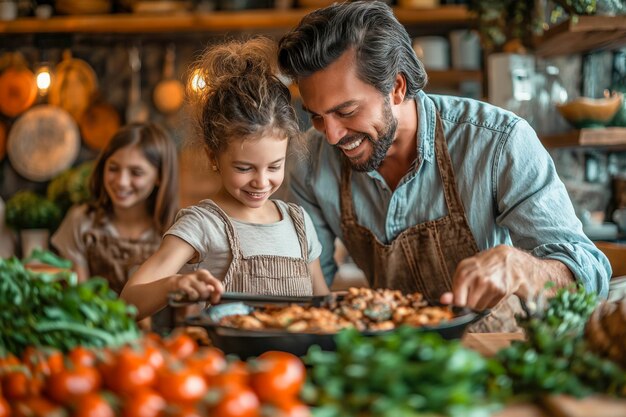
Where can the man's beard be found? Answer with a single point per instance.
(380, 146)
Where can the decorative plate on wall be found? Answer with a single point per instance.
(43, 142)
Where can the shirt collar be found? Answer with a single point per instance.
(426, 127)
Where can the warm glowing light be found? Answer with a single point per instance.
(43, 79)
(197, 81)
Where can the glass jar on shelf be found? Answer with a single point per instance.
(549, 91)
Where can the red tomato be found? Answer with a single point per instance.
(130, 372)
(37, 407)
(66, 386)
(93, 405)
(180, 345)
(181, 385)
(5, 409)
(152, 338)
(235, 375)
(293, 408)
(8, 360)
(19, 384)
(241, 402)
(42, 361)
(185, 411)
(279, 377)
(81, 356)
(144, 403)
(154, 356)
(209, 361)
(105, 362)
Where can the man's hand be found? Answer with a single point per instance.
(483, 280)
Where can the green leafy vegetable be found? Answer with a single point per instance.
(43, 309)
(403, 373)
(48, 258)
(554, 358)
(27, 210)
(71, 186)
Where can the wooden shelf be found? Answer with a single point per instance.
(209, 22)
(452, 77)
(435, 78)
(581, 34)
(609, 137)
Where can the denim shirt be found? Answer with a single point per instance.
(506, 179)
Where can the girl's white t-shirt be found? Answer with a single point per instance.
(206, 233)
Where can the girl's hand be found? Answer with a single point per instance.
(200, 285)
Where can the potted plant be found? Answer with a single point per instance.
(33, 216)
(71, 187)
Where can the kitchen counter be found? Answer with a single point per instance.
(489, 343)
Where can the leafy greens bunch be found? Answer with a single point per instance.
(43, 309)
(71, 186)
(400, 374)
(28, 210)
(554, 358)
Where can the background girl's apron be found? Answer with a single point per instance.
(116, 259)
(423, 257)
(268, 274)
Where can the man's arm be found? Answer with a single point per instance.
(549, 244)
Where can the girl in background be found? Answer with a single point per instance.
(239, 240)
(133, 186)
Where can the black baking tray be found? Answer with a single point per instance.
(247, 343)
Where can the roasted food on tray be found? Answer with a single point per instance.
(362, 308)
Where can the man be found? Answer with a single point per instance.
(447, 196)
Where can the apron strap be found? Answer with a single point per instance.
(347, 208)
(297, 217)
(444, 165)
(233, 239)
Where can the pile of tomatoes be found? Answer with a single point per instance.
(155, 377)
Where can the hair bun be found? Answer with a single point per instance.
(227, 62)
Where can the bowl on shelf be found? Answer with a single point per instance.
(591, 112)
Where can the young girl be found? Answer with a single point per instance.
(133, 186)
(240, 240)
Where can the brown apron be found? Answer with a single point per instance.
(268, 274)
(116, 258)
(423, 257)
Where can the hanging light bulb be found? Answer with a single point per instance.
(197, 81)
(44, 79)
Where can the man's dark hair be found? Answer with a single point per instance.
(381, 44)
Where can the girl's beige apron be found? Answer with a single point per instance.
(268, 274)
(424, 257)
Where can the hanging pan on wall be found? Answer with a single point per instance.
(43, 142)
(98, 124)
(18, 88)
(74, 86)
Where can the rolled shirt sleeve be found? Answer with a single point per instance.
(533, 204)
